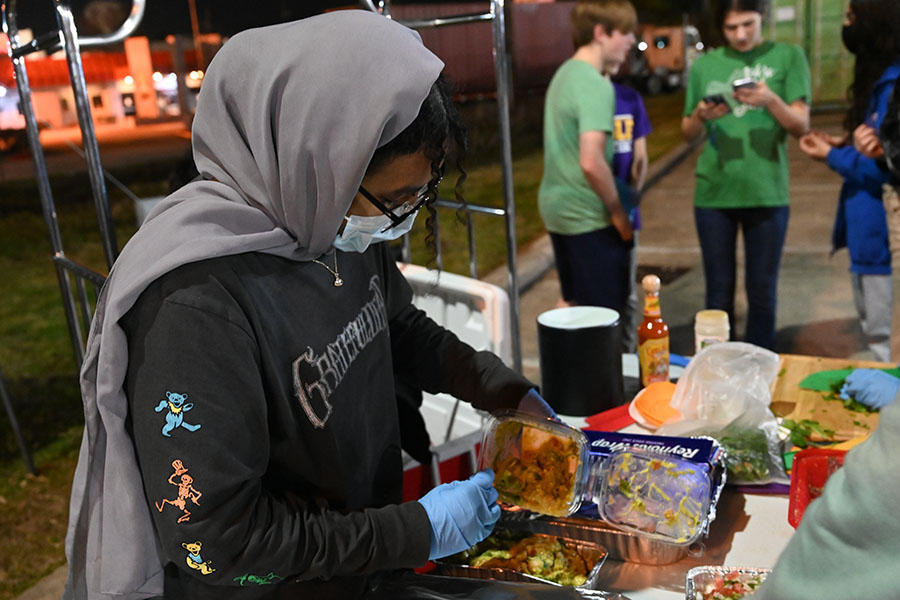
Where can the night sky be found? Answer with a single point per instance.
(163, 17)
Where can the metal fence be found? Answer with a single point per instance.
(79, 284)
(496, 17)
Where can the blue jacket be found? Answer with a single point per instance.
(860, 225)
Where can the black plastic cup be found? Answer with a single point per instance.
(580, 351)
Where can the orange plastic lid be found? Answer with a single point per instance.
(653, 403)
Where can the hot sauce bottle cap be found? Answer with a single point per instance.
(650, 283)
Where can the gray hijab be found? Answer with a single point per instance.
(287, 122)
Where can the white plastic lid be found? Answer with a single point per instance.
(578, 317)
(712, 318)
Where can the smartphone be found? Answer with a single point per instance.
(714, 99)
(749, 82)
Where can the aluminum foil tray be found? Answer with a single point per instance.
(700, 580)
(621, 545)
(592, 554)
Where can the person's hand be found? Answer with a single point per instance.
(462, 513)
(622, 224)
(757, 95)
(707, 111)
(871, 387)
(865, 140)
(533, 404)
(816, 144)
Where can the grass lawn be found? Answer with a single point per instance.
(37, 359)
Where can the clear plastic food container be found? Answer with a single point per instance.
(704, 583)
(547, 467)
(663, 497)
(539, 465)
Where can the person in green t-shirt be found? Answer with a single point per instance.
(747, 96)
(578, 200)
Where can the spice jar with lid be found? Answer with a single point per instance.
(710, 327)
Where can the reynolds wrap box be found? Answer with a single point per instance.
(702, 450)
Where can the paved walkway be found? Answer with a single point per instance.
(816, 315)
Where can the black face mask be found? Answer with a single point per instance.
(850, 35)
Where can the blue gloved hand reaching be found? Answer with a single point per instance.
(462, 513)
(533, 404)
(871, 387)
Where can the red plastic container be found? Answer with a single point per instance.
(809, 472)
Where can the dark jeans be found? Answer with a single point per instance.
(764, 230)
(593, 268)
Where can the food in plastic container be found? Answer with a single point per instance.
(809, 473)
(663, 488)
(519, 556)
(538, 465)
(722, 583)
(662, 497)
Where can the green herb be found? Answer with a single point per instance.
(746, 454)
(802, 430)
(782, 372)
(849, 403)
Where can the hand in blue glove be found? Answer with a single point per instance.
(462, 513)
(533, 404)
(871, 387)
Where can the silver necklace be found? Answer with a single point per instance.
(338, 282)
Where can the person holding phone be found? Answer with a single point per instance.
(860, 224)
(747, 96)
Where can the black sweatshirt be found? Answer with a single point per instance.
(264, 419)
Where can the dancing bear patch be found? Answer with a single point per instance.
(175, 406)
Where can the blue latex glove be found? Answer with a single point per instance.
(871, 387)
(533, 404)
(462, 513)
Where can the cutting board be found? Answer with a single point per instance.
(792, 402)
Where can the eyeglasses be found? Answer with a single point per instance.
(400, 213)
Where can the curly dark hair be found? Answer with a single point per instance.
(878, 22)
(437, 126)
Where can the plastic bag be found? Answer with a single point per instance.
(725, 393)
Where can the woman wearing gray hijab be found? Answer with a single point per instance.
(241, 434)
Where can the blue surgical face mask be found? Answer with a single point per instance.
(360, 232)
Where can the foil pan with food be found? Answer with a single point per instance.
(722, 583)
(520, 556)
(620, 544)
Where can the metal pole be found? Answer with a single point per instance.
(42, 178)
(177, 50)
(195, 30)
(501, 66)
(66, 22)
(7, 403)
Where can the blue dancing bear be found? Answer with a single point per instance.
(175, 416)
